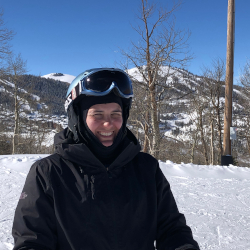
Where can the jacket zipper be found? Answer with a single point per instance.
(80, 169)
(109, 174)
(92, 181)
(113, 209)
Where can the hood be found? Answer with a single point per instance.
(81, 155)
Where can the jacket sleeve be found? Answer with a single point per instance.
(172, 231)
(34, 221)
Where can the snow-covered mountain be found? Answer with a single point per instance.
(60, 77)
(177, 118)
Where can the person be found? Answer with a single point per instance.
(98, 191)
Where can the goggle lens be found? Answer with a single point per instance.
(101, 81)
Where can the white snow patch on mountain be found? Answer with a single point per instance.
(63, 78)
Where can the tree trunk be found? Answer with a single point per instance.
(220, 132)
(212, 143)
(155, 123)
(203, 140)
(16, 134)
(193, 148)
(248, 144)
(146, 130)
(16, 127)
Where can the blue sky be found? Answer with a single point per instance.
(72, 36)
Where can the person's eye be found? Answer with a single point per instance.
(116, 115)
(98, 116)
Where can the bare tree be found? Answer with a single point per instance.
(139, 115)
(206, 110)
(16, 68)
(6, 36)
(161, 48)
(198, 112)
(214, 78)
(36, 136)
(245, 117)
(245, 76)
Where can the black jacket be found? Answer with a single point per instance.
(71, 201)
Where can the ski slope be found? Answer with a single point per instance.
(214, 199)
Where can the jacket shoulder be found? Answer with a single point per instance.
(41, 170)
(46, 161)
(147, 161)
(147, 157)
(45, 164)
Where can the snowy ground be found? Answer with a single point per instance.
(215, 200)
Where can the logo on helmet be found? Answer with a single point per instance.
(68, 101)
(73, 93)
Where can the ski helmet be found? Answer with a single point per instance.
(97, 82)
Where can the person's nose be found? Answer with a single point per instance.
(107, 122)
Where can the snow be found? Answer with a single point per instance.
(135, 74)
(64, 78)
(214, 199)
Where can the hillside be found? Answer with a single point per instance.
(41, 112)
(48, 94)
(44, 105)
(191, 114)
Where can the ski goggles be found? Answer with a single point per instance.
(100, 82)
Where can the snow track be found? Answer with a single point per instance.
(216, 209)
(11, 184)
(13, 172)
(214, 199)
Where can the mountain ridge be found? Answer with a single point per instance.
(60, 77)
(48, 94)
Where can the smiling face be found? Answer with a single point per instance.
(105, 121)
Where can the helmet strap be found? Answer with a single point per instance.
(74, 122)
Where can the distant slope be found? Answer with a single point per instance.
(177, 115)
(60, 77)
(47, 97)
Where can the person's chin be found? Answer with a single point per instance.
(107, 143)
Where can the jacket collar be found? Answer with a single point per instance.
(81, 155)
